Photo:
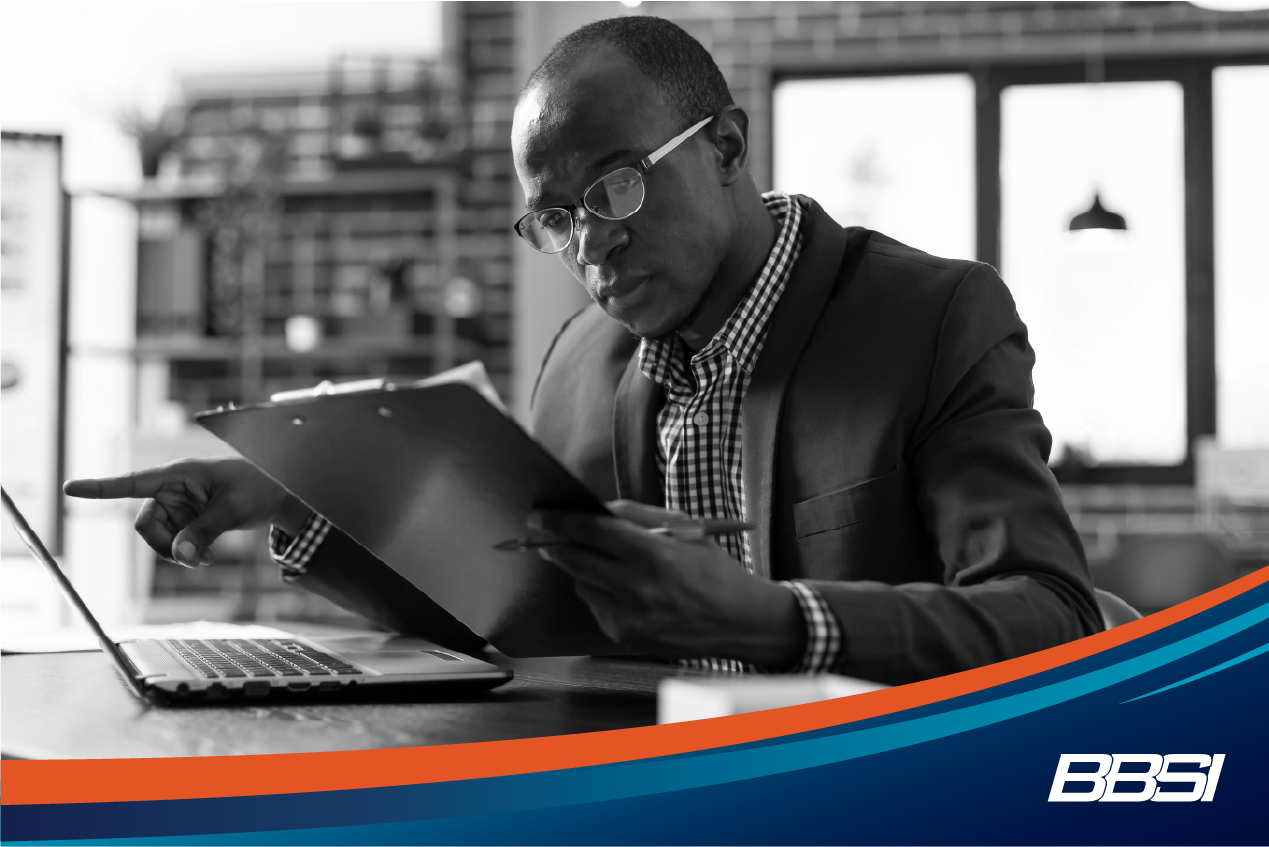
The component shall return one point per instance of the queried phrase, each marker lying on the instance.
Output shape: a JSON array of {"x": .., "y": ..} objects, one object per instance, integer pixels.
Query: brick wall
[{"x": 752, "y": 42}]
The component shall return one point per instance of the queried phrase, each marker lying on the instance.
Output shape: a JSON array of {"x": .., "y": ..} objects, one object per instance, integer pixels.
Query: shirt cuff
[
  {"x": 823, "y": 632},
  {"x": 293, "y": 554},
  {"x": 719, "y": 666}
]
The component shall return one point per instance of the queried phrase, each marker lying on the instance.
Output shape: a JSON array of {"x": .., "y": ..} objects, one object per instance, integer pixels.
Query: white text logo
[{"x": 1110, "y": 773}]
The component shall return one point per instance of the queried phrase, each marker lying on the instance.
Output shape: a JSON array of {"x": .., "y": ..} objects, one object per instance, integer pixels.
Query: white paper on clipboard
[{"x": 472, "y": 373}]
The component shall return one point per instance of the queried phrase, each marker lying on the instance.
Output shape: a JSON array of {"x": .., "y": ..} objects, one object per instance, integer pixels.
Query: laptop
[{"x": 196, "y": 670}]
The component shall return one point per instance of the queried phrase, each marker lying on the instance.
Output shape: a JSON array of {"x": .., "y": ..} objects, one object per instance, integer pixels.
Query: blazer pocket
[{"x": 853, "y": 504}]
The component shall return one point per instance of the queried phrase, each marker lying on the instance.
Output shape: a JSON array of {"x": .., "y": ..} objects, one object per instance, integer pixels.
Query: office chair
[{"x": 1115, "y": 612}]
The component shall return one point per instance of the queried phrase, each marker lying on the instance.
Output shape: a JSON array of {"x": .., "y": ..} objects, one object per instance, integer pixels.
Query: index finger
[{"x": 137, "y": 484}]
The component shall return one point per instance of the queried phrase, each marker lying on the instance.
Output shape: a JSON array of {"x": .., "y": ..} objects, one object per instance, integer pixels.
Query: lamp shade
[{"x": 1097, "y": 217}]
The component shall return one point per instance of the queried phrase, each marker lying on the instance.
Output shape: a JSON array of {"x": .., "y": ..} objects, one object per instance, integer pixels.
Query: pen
[{"x": 687, "y": 530}]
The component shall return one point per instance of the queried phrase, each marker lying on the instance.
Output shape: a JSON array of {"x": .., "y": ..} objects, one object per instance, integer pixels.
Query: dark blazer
[{"x": 892, "y": 457}]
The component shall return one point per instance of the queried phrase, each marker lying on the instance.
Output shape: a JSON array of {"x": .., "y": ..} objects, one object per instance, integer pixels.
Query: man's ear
[{"x": 730, "y": 136}]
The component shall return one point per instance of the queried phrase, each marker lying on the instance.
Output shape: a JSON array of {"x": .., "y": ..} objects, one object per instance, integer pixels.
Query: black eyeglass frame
[{"x": 640, "y": 168}]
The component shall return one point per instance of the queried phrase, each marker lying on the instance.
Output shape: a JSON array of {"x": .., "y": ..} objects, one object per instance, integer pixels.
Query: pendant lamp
[{"x": 1097, "y": 217}]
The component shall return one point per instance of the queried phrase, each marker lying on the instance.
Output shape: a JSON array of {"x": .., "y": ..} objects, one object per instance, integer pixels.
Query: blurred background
[{"x": 210, "y": 202}]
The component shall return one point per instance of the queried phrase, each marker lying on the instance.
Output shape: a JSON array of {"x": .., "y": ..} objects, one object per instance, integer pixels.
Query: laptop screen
[{"x": 37, "y": 548}]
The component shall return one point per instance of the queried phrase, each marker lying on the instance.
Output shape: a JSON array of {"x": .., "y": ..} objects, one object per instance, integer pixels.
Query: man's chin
[{"x": 647, "y": 326}]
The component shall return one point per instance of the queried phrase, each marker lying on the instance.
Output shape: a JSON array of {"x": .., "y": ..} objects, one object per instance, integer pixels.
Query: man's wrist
[{"x": 778, "y": 640}]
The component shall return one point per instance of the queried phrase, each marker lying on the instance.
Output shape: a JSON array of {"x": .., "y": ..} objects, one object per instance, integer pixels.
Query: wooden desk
[{"x": 74, "y": 705}]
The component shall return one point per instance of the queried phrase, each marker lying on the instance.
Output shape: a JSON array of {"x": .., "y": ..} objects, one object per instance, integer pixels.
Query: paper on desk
[
  {"x": 698, "y": 698},
  {"x": 75, "y": 640}
]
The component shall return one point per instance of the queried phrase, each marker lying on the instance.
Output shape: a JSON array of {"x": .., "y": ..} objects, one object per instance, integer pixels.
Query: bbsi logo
[{"x": 1109, "y": 774}]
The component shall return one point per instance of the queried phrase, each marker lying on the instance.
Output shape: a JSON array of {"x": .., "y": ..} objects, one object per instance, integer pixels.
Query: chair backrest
[
  {"x": 1115, "y": 612},
  {"x": 1157, "y": 573}
]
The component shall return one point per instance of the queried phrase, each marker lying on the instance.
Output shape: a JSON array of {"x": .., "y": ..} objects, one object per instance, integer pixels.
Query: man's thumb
[{"x": 192, "y": 545}]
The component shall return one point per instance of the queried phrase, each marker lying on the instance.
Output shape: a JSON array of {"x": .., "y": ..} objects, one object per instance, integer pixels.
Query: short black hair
[{"x": 678, "y": 64}]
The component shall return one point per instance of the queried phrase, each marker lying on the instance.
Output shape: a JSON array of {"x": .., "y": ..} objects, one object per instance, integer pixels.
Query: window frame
[{"x": 1195, "y": 76}]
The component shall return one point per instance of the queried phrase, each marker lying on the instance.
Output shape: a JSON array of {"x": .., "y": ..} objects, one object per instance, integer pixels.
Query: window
[
  {"x": 1106, "y": 311},
  {"x": 894, "y": 154},
  {"x": 1241, "y": 124}
]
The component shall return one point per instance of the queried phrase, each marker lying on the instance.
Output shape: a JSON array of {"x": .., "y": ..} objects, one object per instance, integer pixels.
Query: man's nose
[{"x": 597, "y": 237}]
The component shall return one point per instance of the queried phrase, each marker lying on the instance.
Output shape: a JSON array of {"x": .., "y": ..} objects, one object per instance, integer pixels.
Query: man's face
[{"x": 648, "y": 271}]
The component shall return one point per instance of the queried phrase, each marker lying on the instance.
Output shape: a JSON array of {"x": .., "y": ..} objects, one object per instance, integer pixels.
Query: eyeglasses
[{"x": 614, "y": 197}]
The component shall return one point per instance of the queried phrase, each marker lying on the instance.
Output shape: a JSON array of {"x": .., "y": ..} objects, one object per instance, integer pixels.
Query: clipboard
[{"x": 428, "y": 478}]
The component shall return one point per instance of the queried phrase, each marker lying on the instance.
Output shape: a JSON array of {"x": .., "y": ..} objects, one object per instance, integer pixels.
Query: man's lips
[{"x": 620, "y": 289}]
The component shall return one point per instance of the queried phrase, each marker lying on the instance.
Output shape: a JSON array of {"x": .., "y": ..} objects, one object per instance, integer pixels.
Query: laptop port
[
  {"x": 255, "y": 688},
  {"x": 299, "y": 686},
  {"x": 328, "y": 685}
]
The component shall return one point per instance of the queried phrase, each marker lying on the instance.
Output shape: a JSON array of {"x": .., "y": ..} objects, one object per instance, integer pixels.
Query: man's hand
[
  {"x": 190, "y": 503},
  {"x": 672, "y": 598}
]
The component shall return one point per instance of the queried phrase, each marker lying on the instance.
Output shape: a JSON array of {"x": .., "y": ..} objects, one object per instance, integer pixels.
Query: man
[{"x": 866, "y": 405}]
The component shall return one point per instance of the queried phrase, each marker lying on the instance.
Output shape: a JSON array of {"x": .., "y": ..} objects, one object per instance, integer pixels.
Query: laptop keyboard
[{"x": 264, "y": 657}]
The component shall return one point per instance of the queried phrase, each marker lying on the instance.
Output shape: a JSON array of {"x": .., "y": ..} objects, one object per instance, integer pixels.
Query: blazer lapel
[
  {"x": 634, "y": 434},
  {"x": 794, "y": 318}
]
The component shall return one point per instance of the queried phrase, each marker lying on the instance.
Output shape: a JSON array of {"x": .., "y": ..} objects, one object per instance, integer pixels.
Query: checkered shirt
[
  {"x": 699, "y": 457},
  {"x": 699, "y": 428},
  {"x": 293, "y": 554}
]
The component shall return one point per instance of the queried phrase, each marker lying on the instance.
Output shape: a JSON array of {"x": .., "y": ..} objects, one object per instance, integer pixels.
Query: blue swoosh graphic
[
  {"x": 1250, "y": 654},
  {"x": 658, "y": 776}
]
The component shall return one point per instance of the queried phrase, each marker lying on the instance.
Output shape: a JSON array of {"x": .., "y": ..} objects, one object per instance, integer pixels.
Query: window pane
[
  {"x": 1242, "y": 282},
  {"x": 895, "y": 154},
  {"x": 1106, "y": 311}
]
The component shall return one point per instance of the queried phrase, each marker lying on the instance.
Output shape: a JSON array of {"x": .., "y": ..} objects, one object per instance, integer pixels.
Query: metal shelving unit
[{"x": 347, "y": 197}]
